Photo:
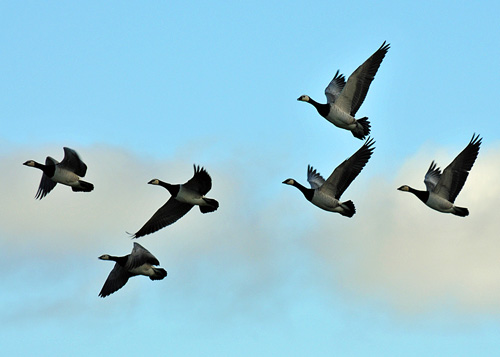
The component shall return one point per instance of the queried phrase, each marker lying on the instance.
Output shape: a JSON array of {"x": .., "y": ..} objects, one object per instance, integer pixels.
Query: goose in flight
[
  {"x": 66, "y": 172},
  {"x": 344, "y": 99},
  {"x": 443, "y": 188},
  {"x": 139, "y": 262},
  {"x": 326, "y": 193},
  {"x": 184, "y": 197}
]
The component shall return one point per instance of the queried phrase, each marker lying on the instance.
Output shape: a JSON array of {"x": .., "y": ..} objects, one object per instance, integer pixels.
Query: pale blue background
[{"x": 215, "y": 83}]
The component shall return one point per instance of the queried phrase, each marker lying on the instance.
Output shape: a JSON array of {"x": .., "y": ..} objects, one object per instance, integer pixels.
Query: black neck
[
  {"x": 308, "y": 192},
  {"x": 422, "y": 195},
  {"x": 323, "y": 109},
  {"x": 173, "y": 189},
  {"x": 48, "y": 170},
  {"x": 120, "y": 260}
]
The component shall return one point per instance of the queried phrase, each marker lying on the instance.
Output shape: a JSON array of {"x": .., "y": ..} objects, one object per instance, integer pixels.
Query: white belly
[
  {"x": 65, "y": 177},
  {"x": 189, "y": 196},
  {"x": 145, "y": 269},
  {"x": 439, "y": 203},
  {"x": 326, "y": 202},
  {"x": 340, "y": 118}
]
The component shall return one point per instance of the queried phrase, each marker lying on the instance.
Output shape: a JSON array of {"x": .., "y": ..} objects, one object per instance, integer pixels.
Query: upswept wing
[
  {"x": 454, "y": 175},
  {"x": 46, "y": 183},
  {"x": 347, "y": 171},
  {"x": 358, "y": 83},
  {"x": 200, "y": 182},
  {"x": 332, "y": 91},
  {"x": 314, "y": 178},
  {"x": 140, "y": 256},
  {"x": 117, "y": 278},
  {"x": 432, "y": 176},
  {"x": 73, "y": 162},
  {"x": 167, "y": 214}
]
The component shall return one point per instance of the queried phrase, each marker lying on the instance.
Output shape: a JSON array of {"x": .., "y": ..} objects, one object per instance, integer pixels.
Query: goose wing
[
  {"x": 117, "y": 278},
  {"x": 73, "y": 162},
  {"x": 432, "y": 176},
  {"x": 454, "y": 175},
  {"x": 314, "y": 178},
  {"x": 347, "y": 171},
  {"x": 200, "y": 182},
  {"x": 358, "y": 83},
  {"x": 46, "y": 183},
  {"x": 140, "y": 256},
  {"x": 332, "y": 91},
  {"x": 167, "y": 214}
]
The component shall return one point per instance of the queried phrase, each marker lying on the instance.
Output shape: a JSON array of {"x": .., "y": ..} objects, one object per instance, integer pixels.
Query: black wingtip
[
  {"x": 385, "y": 46},
  {"x": 131, "y": 235},
  {"x": 476, "y": 140}
]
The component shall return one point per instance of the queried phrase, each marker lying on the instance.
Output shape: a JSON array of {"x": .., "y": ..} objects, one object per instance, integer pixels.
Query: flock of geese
[{"x": 343, "y": 101}]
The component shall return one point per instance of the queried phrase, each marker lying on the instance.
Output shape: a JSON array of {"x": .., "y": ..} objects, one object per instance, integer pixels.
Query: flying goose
[
  {"x": 443, "y": 189},
  {"x": 139, "y": 262},
  {"x": 184, "y": 197},
  {"x": 66, "y": 172},
  {"x": 326, "y": 194},
  {"x": 344, "y": 99}
]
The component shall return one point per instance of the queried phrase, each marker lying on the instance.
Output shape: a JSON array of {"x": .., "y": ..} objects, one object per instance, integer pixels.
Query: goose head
[
  {"x": 154, "y": 182},
  {"x": 304, "y": 98},
  {"x": 30, "y": 163},
  {"x": 105, "y": 257},
  {"x": 289, "y": 182},
  {"x": 405, "y": 188}
]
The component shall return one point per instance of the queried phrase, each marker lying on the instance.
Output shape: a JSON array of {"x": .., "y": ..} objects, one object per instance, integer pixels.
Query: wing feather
[
  {"x": 314, "y": 178},
  {"x": 73, "y": 162},
  {"x": 46, "y": 183},
  {"x": 117, "y": 278},
  {"x": 332, "y": 91},
  {"x": 358, "y": 83},
  {"x": 167, "y": 214},
  {"x": 347, "y": 171},
  {"x": 200, "y": 182},
  {"x": 432, "y": 176},
  {"x": 455, "y": 174},
  {"x": 140, "y": 256}
]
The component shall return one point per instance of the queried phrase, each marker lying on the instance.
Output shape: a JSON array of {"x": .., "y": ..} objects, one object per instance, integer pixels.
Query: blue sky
[{"x": 144, "y": 90}]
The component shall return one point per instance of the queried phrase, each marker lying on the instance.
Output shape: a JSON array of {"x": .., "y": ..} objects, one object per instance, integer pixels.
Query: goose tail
[
  {"x": 159, "y": 274},
  {"x": 348, "y": 209},
  {"x": 362, "y": 128},
  {"x": 83, "y": 186},
  {"x": 211, "y": 205},
  {"x": 460, "y": 211}
]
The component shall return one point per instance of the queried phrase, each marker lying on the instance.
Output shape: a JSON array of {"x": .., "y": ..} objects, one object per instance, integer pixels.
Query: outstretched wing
[
  {"x": 347, "y": 171},
  {"x": 200, "y": 182},
  {"x": 117, "y": 278},
  {"x": 314, "y": 178},
  {"x": 73, "y": 162},
  {"x": 46, "y": 183},
  {"x": 358, "y": 83},
  {"x": 432, "y": 176},
  {"x": 140, "y": 256},
  {"x": 167, "y": 214},
  {"x": 332, "y": 91},
  {"x": 454, "y": 175}
]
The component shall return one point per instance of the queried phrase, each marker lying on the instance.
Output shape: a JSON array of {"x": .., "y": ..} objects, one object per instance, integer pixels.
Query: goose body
[
  {"x": 344, "y": 99},
  {"x": 442, "y": 189},
  {"x": 326, "y": 194},
  {"x": 66, "y": 172},
  {"x": 184, "y": 197},
  {"x": 139, "y": 262}
]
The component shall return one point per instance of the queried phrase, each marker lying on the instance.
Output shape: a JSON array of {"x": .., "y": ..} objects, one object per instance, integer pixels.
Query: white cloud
[
  {"x": 395, "y": 249},
  {"x": 402, "y": 253}
]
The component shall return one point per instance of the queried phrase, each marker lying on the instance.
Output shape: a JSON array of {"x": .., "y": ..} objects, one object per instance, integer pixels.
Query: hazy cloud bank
[
  {"x": 411, "y": 257},
  {"x": 394, "y": 250}
]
